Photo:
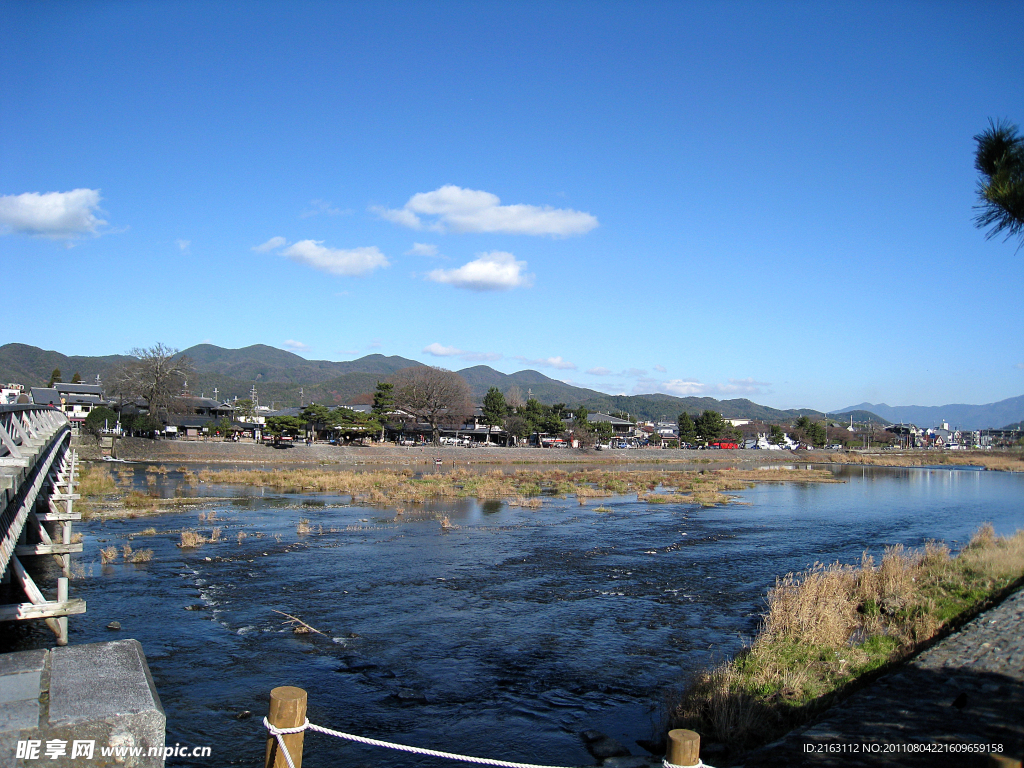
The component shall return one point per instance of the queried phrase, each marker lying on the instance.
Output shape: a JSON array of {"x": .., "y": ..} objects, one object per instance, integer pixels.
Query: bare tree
[
  {"x": 514, "y": 398},
  {"x": 434, "y": 395},
  {"x": 157, "y": 374}
]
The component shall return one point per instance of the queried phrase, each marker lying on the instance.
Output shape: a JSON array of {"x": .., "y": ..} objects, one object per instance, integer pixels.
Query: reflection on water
[{"x": 506, "y": 634}]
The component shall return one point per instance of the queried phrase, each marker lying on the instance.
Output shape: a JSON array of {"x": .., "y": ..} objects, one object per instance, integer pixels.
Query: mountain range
[
  {"x": 957, "y": 415},
  {"x": 283, "y": 378}
]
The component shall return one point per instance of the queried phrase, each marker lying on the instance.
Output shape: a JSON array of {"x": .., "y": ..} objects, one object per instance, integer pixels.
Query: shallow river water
[{"x": 504, "y": 636}]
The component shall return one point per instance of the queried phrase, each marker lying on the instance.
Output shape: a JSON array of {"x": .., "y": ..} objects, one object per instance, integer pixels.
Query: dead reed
[
  {"x": 95, "y": 481},
  {"x": 833, "y": 623},
  {"x": 190, "y": 539}
]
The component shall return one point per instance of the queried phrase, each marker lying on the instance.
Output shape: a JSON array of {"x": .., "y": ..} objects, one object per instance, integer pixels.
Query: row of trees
[{"x": 708, "y": 427}]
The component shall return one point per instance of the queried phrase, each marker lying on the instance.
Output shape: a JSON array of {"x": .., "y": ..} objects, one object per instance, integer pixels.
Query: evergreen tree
[
  {"x": 55, "y": 377},
  {"x": 77, "y": 378},
  {"x": 687, "y": 432},
  {"x": 383, "y": 403},
  {"x": 1000, "y": 161},
  {"x": 495, "y": 409}
]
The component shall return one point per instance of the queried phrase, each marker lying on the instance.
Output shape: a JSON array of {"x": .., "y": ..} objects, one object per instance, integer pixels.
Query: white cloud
[
  {"x": 57, "y": 215},
  {"x": 374, "y": 344},
  {"x": 599, "y": 372},
  {"x": 683, "y": 387},
  {"x": 271, "y": 244},
  {"x": 296, "y": 346},
  {"x": 473, "y": 210},
  {"x": 690, "y": 387},
  {"x": 742, "y": 386},
  {"x": 321, "y": 206},
  {"x": 337, "y": 261},
  {"x": 438, "y": 350},
  {"x": 422, "y": 249},
  {"x": 184, "y": 246},
  {"x": 494, "y": 271},
  {"x": 398, "y": 216},
  {"x": 660, "y": 368},
  {"x": 549, "y": 362}
]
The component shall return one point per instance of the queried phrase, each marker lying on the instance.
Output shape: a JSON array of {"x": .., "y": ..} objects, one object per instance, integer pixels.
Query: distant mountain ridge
[
  {"x": 284, "y": 378},
  {"x": 958, "y": 415}
]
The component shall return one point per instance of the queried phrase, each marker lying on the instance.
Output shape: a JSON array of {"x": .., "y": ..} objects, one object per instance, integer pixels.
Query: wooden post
[
  {"x": 287, "y": 710},
  {"x": 683, "y": 747}
]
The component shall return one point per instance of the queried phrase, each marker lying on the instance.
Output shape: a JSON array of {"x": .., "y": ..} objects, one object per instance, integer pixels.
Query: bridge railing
[
  {"x": 37, "y": 477},
  {"x": 24, "y": 429}
]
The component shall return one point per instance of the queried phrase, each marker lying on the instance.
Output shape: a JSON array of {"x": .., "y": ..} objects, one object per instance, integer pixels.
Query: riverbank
[
  {"x": 221, "y": 452},
  {"x": 950, "y": 706},
  {"x": 830, "y": 629}
]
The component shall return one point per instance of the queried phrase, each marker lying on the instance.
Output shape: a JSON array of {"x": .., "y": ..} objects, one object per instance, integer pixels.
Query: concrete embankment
[{"x": 213, "y": 452}]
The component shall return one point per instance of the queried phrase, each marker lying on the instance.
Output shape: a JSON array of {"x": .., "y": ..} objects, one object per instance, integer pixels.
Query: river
[{"x": 505, "y": 635}]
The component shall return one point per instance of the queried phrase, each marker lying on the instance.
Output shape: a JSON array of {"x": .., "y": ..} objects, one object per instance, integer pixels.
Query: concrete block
[
  {"x": 19, "y": 715},
  {"x": 22, "y": 661},
  {"x": 104, "y": 691},
  {"x": 22, "y": 686}
]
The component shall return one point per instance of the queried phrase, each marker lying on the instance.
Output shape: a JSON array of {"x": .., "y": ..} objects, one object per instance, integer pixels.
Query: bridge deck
[{"x": 37, "y": 477}]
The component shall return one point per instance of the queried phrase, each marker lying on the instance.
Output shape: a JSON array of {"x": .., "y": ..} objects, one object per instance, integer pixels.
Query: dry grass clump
[
  {"x": 303, "y": 527},
  {"x": 403, "y": 487},
  {"x": 138, "y": 500},
  {"x": 241, "y": 536},
  {"x": 447, "y": 524},
  {"x": 190, "y": 539},
  {"x": 108, "y": 554},
  {"x": 95, "y": 481},
  {"x": 127, "y": 550},
  {"x": 142, "y": 556},
  {"x": 828, "y": 625},
  {"x": 151, "y": 531}
]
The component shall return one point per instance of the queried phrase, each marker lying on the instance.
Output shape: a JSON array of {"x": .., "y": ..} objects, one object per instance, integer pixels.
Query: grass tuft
[{"x": 831, "y": 624}]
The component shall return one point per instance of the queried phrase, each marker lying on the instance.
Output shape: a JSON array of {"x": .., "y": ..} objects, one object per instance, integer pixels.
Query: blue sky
[{"x": 734, "y": 199}]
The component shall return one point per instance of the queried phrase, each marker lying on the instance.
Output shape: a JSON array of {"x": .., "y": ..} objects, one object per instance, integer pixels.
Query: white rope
[
  {"x": 699, "y": 764},
  {"x": 279, "y": 732}
]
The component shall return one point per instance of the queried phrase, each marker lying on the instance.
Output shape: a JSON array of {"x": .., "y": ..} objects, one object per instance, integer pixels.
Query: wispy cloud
[
  {"x": 472, "y": 210},
  {"x": 683, "y": 387},
  {"x": 184, "y": 246},
  {"x": 439, "y": 350},
  {"x": 316, "y": 207},
  {"x": 660, "y": 368},
  {"x": 600, "y": 371},
  {"x": 549, "y": 362},
  {"x": 1019, "y": 366},
  {"x": 296, "y": 346},
  {"x": 422, "y": 249},
  {"x": 374, "y": 344},
  {"x": 693, "y": 388},
  {"x": 56, "y": 215},
  {"x": 494, "y": 271},
  {"x": 350, "y": 262},
  {"x": 271, "y": 244}
]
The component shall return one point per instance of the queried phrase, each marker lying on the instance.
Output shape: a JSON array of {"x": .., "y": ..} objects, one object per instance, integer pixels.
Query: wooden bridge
[{"x": 37, "y": 478}]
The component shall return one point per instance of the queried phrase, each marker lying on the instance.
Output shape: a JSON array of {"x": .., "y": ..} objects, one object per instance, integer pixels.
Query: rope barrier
[
  {"x": 699, "y": 764},
  {"x": 279, "y": 732}
]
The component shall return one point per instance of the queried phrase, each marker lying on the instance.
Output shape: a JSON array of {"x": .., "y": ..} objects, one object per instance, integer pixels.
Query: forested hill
[
  {"x": 282, "y": 377},
  {"x": 957, "y": 415}
]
